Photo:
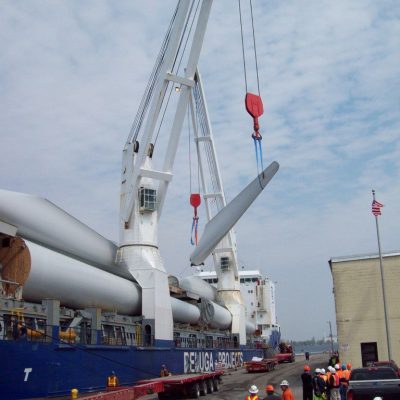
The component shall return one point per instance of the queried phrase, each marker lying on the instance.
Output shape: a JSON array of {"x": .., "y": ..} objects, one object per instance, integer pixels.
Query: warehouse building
[{"x": 360, "y": 316}]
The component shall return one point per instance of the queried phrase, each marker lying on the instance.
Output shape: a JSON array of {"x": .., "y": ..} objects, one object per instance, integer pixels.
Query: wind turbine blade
[{"x": 220, "y": 225}]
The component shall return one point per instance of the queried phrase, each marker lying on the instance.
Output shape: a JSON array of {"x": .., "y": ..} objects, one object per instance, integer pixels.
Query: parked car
[
  {"x": 371, "y": 382},
  {"x": 390, "y": 363}
]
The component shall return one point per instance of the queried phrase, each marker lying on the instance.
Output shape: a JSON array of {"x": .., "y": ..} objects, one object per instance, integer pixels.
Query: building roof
[{"x": 363, "y": 257}]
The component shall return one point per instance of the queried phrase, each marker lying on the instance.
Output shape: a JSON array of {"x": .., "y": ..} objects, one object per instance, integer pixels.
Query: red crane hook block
[
  {"x": 255, "y": 108},
  {"x": 195, "y": 200}
]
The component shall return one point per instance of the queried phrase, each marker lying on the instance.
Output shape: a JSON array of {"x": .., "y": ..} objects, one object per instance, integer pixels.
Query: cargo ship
[{"x": 76, "y": 306}]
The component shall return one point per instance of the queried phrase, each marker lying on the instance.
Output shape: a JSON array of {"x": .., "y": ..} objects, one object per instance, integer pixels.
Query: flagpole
[{"x": 383, "y": 284}]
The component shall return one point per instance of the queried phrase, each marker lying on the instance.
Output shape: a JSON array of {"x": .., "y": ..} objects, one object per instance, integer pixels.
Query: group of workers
[
  {"x": 270, "y": 391},
  {"x": 331, "y": 384}
]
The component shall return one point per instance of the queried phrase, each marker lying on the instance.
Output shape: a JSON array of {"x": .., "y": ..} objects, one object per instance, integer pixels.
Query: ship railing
[
  {"x": 13, "y": 328},
  {"x": 21, "y": 331}
]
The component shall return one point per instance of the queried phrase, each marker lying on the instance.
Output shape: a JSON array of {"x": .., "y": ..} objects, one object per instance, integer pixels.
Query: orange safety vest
[
  {"x": 287, "y": 395},
  {"x": 328, "y": 376},
  {"x": 112, "y": 381},
  {"x": 345, "y": 375},
  {"x": 336, "y": 379},
  {"x": 255, "y": 397}
]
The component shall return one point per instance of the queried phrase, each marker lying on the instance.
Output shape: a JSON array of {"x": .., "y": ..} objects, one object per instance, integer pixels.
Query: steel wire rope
[
  {"x": 179, "y": 64},
  {"x": 205, "y": 129},
  {"x": 255, "y": 48},
  {"x": 150, "y": 84},
  {"x": 254, "y": 45},
  {"x": 243, "y": 54},
  {"x": 190, "y": 153},
  {"x": 207, "y": 150},
  {"x": 200, "y": 110},
  {"x": 193, "y": 114},
  {"x": 258, "y": 82},
  {"x": 207, "y": 145},
  {"x": 78, "y": 347},
  {"x": 199, "y": 130},
  {"x": 165, "y": 106}
]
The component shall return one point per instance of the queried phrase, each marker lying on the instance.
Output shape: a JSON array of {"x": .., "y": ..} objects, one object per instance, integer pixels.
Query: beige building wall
[{"x": 359, "y": 305}]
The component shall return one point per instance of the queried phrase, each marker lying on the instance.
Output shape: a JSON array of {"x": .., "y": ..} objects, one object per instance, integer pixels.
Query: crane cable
[
  {"x": 253, "y": 102},
  {"x": 179, "y": 63},
  {"x": 195, "y": 199}
]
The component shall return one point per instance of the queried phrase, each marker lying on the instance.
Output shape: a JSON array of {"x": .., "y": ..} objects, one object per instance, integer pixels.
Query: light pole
[{"x": 330, "y": 330}]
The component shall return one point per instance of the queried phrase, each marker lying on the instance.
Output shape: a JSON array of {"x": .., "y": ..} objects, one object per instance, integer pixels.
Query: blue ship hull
[{"x": 36, "y": 369}]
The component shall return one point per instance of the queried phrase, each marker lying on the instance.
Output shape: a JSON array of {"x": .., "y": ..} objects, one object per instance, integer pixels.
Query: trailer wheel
[
  {"x": 203, "y": 388},
  {"x": 210, "y": 386},
  {"x": 163, "y": 396},
  {"x": 194, "y": 390},
  {"x": 215, "y": 384}
]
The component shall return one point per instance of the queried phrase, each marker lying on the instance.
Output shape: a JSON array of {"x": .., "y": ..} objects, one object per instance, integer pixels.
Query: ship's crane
[{"x": 144, "y": 187}]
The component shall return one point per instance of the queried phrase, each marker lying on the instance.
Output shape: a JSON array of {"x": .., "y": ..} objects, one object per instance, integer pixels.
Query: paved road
[{"x": 236, "y": 384}]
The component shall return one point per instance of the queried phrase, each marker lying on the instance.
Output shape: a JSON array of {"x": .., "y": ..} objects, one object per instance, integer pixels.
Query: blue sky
[{"x": 71, "y": 78}]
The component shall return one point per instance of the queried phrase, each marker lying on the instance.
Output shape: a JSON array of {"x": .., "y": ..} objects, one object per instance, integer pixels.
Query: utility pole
[
  {"x": 330, "y": 330},
  {"x": 376, "y": 212}
]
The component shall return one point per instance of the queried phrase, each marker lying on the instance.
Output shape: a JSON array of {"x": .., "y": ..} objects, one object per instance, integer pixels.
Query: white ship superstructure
[{"x": 259, "y": 297}]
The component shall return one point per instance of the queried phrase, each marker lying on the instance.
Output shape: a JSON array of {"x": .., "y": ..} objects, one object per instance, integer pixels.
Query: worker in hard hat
[
  {"x": 306, "y": 379},
  {"x": 164, "y": 371},
  {"x": 112, "y": 380},
  {"x": 328, "y": 385},
  {"x": 334, "y": 383},
  {"x": 271, "y": 395},
  {"x": 286, "y": 392},
  {"x": 344, "y": 381},
  {"x": 253, "y": 393},
  {"x": 319, "y": 385}
]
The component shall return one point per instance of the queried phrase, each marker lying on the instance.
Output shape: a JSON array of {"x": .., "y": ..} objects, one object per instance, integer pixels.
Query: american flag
[{"x": 376, "y": 208}]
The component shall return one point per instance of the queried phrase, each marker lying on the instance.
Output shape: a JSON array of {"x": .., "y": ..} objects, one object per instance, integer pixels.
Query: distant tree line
[{"x": 308, "y": 342}]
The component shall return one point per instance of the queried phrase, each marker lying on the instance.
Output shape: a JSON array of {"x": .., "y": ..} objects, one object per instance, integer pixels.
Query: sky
[{"x": 72, "y": 75}]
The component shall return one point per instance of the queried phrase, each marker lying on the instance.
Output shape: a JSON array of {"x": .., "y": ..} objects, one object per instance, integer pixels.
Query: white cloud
[{"x": 72, "y": 75}]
